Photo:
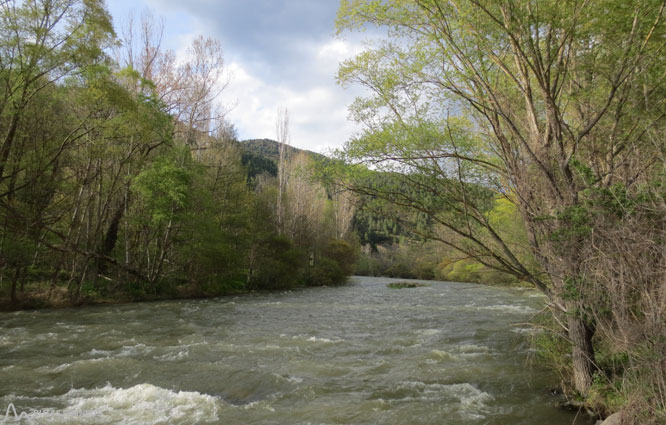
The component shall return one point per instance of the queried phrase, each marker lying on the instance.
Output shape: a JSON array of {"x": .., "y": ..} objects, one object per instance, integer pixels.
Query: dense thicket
[
  {"x": 559, "y": 108},
  {"x": 121, "y": 179},
  {"x": 398, "y": 242}
]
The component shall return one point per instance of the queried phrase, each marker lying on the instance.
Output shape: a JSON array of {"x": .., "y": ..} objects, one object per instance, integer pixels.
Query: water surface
[{"x": 448, "y": 353}]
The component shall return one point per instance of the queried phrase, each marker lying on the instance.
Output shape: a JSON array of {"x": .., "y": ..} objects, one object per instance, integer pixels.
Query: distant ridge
[
  {"x": 261, "y": 156},
  {"x": 269, "y": 149}
]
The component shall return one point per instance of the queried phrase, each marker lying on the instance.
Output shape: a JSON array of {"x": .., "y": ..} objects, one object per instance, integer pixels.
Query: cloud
[
  {"x": 317, "y": 114},
  {"x": 272, "y": 35},
  {"x": 278, "y": 53}
]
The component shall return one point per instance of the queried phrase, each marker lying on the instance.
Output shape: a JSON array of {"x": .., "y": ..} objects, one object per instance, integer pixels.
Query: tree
[
  {"x": 189, "y": 88},
  {"x": 218, "y": 223},
  {"x": 554, "y": 106},
  {"x": 123, "y": 130},
  {"x": 304, "y": 202},
  {"x": 44, "y": 46},
  {"x": 284, "y": 140},
  {"x": 344, "y": 209},
  {"x": 41, "y": 43}
]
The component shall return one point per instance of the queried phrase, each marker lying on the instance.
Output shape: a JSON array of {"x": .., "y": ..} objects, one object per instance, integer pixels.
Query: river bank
[
  {"x": 44, "y": 297},
  {"x": 38, "y": 296},
  {"x": 58, "y": 298}
]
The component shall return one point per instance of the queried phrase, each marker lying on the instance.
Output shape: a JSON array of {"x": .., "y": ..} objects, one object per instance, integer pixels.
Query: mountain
[
  {"x": 270, "y": 149},
  {"x": 262, "y": 156}
]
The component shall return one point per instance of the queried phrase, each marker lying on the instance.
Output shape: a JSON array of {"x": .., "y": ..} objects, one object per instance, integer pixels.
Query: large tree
[
  {"x": 44, "y": 45},
  {"x": 41, "y": 43},
  {"x": 556, "y": 106}
]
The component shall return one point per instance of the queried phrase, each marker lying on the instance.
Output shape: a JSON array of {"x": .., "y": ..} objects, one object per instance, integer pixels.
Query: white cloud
[
  {"x": 290, "y": 63},
  {"x": 317, "y": 115},
  {"x": 338, "y": 50}
]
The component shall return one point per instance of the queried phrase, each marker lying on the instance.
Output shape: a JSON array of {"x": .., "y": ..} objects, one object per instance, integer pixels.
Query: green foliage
[
  {"x": 551, "y": 348},
  {"x": 474, "y": 272},
  {"x": 606, "y": 395},
  {"x": 257, "y": 165},
  {"x": 333, "y": 266},
  {"x": 278, "y": 264},
  {"x": 325, "y": 272},
  {"x": 567, "y": 105},
  {"x": 214, "y": 257},
  {"x": 165, "y": 185},
  {"x": 463, "y": 271},
  {"x": 571, "y": 290},
  {"x": 583, "y": 171},
  {"x": 17, "y": 249},
  {"x": 575, "y": 224},
  {"x": 98, "y": 151},
  {"x": 403, "y": 285},
  {"x": 409, "y": 256},
  {"x": 615, "y": 200},
  {"x": 343, "y": 253},
  {"x": 264, "y": 150},
  {"x": 106, "y": 189}
]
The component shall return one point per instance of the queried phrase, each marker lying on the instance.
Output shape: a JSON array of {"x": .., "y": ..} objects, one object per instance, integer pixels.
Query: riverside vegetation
[
  {"x": 504, "y": 142},
  {"x": 120, "y": 180},
  {"x": 549, "y": 111}
]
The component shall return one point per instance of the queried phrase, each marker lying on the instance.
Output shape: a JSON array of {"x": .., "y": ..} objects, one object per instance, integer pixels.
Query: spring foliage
[
  {"x": 554, "y": 107},
  {"x": 120, "y": 177}
]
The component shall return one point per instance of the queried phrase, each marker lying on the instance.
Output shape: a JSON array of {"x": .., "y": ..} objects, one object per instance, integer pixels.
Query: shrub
[
  {"x": 277, "y": 264},
  {"x": 325, "y": 272},
  {"x": 343, "y": 253}
]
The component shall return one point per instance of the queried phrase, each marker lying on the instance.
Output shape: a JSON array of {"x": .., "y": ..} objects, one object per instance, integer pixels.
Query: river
[{"x": 448, "y": 353}]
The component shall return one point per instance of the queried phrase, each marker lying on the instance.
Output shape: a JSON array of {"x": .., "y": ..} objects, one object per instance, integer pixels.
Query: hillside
[
  {"x": 269, "y": 149},
  {"x": 394, "y": 240},
  {"x": 262, "y": 155}
]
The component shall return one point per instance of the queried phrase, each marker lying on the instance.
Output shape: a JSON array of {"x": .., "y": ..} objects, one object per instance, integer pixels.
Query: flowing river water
[{"x": 448, "y": 353}]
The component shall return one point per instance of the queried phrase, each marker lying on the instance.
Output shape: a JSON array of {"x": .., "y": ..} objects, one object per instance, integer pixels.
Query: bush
[
  {"x": 366, "y": 266},
  {"x": 277, "y": 264},
  {"x": 336, "y": 263},
  {"x": 474, "y": 272},
  {"x": 343, "y": 253},
  {"x": 325, "y": 272}
]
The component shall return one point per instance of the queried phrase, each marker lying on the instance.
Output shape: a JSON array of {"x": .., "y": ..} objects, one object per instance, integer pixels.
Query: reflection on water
[{"x": 447, "y": 353}]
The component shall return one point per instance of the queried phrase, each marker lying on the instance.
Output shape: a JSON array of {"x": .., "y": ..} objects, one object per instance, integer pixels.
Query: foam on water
[
  {"x": 505, "y": 308},
  {"x": 99, "y": 353},
  {"x": 527, "y": 330},
  {"x": 173, "y": 356},
  {"x": 46, "y": 336},
  {"x": 260, "y": 404},
  {"x": 428, "y": 332},
  {"x": 134, "y": 350},
  {"x": 464, "y": 398},
  {"x": 87, "y": 365},
  {"x": 439, "y": 355},
  {"x": 65, "y": 366},
  {"x": 140, "y": 404},
  {"x": 473, "y": 348},
  {"x": 472, "y": 351},
  {"x": 294, "y": 379},
  {"x": 309, "y": 338},
  {"x": 473, "y": 402}
]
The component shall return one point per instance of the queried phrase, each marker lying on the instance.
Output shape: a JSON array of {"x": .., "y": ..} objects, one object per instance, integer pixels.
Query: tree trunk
[
  {"x": 7, "y": 144},
  {"x": 582, "y": 353},
  {"x": 15, "y": 281},
  {"x": 110, "y": 239}
]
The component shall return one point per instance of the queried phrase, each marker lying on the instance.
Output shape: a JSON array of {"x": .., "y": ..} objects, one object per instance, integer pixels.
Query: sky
[{"x": 278, "y": 53}]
